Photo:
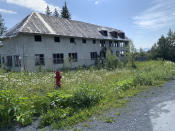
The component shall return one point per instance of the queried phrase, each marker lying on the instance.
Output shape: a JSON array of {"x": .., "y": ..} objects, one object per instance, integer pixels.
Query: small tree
[
  {"x": 56, "y": 14},
  {"x": 131, "y": 54},
  {"x": 3, "y": 29},
  {"x": 111, "y": 61},
  {"x": 48, "y": 12},
  {"x": 65, "y": 12}
]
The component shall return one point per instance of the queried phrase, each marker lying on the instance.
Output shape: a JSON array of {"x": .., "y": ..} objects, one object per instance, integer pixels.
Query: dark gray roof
[{"x": 51, "y": 25}]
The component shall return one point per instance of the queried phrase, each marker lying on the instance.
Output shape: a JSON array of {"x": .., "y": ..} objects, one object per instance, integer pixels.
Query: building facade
[{"x": 50, "y": 43}]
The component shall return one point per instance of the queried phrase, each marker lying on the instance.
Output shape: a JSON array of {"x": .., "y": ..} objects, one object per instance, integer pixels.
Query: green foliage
[
  {"x": 48, "y": 12},
  {"x": 86, "y": 95},
  {"x": 24, "y": 95},
  {"x": 3, "y": 29},
  {"x": 65, "y": 12},
  {"x": 110, "y": 120},
  {"x": 164, "y": 48},
  {"x": 112, "y": 61}
]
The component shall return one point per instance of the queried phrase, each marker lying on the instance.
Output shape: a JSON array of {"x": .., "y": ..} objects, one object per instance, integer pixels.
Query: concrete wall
[{"x": 26, "y": 47}]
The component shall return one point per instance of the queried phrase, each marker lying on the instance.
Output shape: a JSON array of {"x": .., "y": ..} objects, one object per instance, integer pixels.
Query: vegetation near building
[
  {"x": 56, "y": 13},
  {"x": 3, "y": 29},
  {"x": 48, "y": 12},
  {"x": 65, "y": 12},
  {"x": 164, "y": 48}
]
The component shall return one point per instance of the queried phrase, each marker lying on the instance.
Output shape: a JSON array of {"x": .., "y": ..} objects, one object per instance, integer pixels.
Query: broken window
[
  {"x": 102, "y": 43},
  {"x": 122, "y": 44},
  {"x": 114, "y": 34},
  {"x": 38, "y": 38},
  {"x": 110, "y": 43},
  {"x": 72, "y": 40},
  {"x": 58, "y": 58},
  {"x": 93, "y": 55},
  {"x": 57, "y": 39},
  {"x": 17, "y": 61},
  {"x": 39, "y": 59},
  {"x": 104, "y": 32},
  {"x": 73, "y": 57},
  {"x": 122, "y": 35},
  {"x": 9, "y": 61}
]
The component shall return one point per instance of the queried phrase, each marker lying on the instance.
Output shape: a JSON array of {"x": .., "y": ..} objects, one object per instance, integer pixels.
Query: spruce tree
[
  {"x": 48, "y": 12},
  {"x": 65, "y": 12},
  {"x": 3, "y": 29},
  {"x": 56, "y": 14}
]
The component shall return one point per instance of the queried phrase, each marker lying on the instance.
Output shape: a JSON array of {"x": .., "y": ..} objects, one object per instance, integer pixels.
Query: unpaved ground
[{"x": 153, "y": 110}]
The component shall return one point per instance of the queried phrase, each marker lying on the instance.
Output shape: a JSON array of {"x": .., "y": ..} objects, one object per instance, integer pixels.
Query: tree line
[
  {"x": 64, "y": 12},
  {"x": 164, "y": 48}
]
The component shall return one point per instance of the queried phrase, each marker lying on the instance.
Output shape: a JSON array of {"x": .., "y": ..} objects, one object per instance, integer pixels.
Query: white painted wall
[{"x": 25, "y": 46}]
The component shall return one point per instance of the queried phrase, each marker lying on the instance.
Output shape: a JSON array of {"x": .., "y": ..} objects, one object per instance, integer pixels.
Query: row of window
[
  {"x": 72, "y": 40},
  {"x": 17, "y": 61},
  {"x": 59, "y": 58},
  {"x": 38, "y": 38}
]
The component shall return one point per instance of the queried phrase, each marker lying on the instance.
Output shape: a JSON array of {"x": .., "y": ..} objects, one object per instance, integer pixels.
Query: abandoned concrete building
[{"x": 52, "y": 43}]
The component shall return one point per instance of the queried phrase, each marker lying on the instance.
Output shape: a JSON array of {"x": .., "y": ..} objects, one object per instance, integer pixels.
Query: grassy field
[{"x": 25, "y": 96}]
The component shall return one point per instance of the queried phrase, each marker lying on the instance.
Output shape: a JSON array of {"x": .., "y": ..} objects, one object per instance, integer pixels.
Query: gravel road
[{"x": 153, "y": 110}]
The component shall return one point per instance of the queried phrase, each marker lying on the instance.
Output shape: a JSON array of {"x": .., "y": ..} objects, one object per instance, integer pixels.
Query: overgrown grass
[{"x": 24, "y": 96}]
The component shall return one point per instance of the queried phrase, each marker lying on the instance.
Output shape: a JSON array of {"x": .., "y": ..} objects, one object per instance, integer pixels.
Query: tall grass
[{"x": 24, "y": 96}]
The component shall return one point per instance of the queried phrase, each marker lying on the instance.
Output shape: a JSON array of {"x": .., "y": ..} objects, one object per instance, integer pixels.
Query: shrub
[{"x": 86, "y": 96}]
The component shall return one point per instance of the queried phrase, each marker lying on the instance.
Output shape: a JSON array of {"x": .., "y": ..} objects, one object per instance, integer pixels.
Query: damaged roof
[{"x": 38, "y": 23}]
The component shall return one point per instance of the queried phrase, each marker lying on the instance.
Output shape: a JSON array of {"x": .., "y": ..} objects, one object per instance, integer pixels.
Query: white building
[{"x": 49, "y": 42}]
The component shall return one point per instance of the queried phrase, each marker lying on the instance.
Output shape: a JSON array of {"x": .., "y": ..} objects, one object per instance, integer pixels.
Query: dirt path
[{"x": 153, "y": 110}]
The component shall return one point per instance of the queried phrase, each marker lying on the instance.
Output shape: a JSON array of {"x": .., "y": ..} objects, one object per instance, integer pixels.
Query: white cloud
[
  {"x": 7, "y": 11},
  {"x": 96, "y": 2},
  {"x": 36, "y": 5},
  {"x": 159, "y": 15}
]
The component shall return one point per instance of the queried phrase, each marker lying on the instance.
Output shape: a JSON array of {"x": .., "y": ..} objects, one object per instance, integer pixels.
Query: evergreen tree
[
  {"x": 65, "y": 12},
  {"x": 3, "y": 29},
  {"x": 56, "y": 13},
  {"x": 48, "y": 12}
]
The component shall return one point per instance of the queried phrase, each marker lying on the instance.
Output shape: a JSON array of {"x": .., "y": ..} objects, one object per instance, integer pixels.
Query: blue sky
[{"x": 144, "y": 21}]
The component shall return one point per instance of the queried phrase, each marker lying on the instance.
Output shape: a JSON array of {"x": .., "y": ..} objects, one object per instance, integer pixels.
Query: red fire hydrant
[{"x": 58, "y": 78}]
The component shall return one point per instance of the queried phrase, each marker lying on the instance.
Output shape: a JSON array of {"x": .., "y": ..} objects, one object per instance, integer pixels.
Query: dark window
[
  {"x": 122, "y": 35},
  {"x": 9, "y": 61},
  {"x": 58, "y": 58},
  {"x": 102, "y": 43},
  {"x": 72, "y": 40},
  {"x": 3, "y": 60},
  {"x": 57, "y": 39},
  {"x": 110, "y": 43},
  {"x": 17, "y": 61},
  {"x": 0, "y": 60},
  {"x": 114, "y": 34},
  {"x": 94, "y": 41},
  {"x": 104, "y": 32},
  {"x": 84, "y": 40},
  {"x": 73, "y": 57},
  {"x": 38, "y": 38},
  {"x": 93, "y": 55},
  {"x": 39, "y": 59},
  {"x": 116, "y": 44}
]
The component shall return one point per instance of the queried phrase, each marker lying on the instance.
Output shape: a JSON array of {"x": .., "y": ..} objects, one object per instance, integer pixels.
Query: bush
[
  {"x": 86, "y": 96},
  {"x": 112, "y": 61}
]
